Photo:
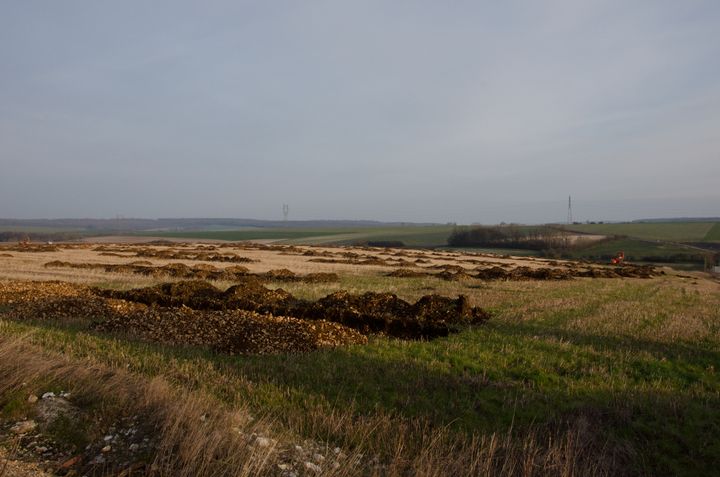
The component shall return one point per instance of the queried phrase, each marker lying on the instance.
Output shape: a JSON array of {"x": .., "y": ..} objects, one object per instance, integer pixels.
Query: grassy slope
[
  {"x": 634, "y": 249},
  {"x": 411, "y": 235},
  {"x": 240, "y": 235},
  {"x": 637, "y": 359},
  {"x": 670, "y": 231},
  {"x": 649, "y": 240},
  {"x": 713, "y": 234}
]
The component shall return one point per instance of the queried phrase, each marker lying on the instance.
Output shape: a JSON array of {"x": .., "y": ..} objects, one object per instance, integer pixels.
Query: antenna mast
[{"x": 569, "y": 216}]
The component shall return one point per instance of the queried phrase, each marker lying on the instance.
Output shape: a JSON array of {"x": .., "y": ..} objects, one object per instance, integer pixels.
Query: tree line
[{"x": 510, "y": 236}]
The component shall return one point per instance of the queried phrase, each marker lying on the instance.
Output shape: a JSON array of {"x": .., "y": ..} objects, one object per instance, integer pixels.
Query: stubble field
[{"x": 250, "y": 359}]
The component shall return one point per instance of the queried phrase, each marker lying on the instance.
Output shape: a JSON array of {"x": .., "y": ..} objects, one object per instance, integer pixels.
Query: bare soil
[{"x": 383, "y": 313}]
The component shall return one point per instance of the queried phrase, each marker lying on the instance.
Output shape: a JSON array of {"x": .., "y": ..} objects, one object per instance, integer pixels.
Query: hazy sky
[{"x": 465, "y": 111}]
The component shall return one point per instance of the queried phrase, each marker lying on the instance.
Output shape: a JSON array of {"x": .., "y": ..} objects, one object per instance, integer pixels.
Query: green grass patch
[
  {"x": 72, "y": 431},
  {"x": 240, "y": 235},
  {"x": 669, "y": 231},
  {"x": 713, "y": 234},
  {"x": 14, "y": 405},
  {"x": 410, "y": 235},
  {"x": 638, "y": 250}
]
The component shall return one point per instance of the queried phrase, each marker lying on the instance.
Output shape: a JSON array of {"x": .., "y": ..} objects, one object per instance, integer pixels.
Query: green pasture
[{"x": 666, "y": 231}]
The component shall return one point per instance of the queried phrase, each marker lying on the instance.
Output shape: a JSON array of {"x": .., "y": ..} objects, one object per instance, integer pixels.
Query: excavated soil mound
[
  {"x": 227, "y": 331},
  {"x": 33, "y": 248},
  {"x": 493, "y": 273},
  {"x": 201, "y": 295},
  {"x": 316, "y": 253},
  {"x": 569, "y": 271},
  {"x": 73, "y": 308},
  {"x": 233, "y": 332},
  {"x": 319, "y": 277},
  {"x": 459, "y": 310},
  {"x": 201, "y": 271},
  {"x": 454, "y": 276},
  {"x": 382, "y": 313},
  {"x": 200, "y": 255},
  {"x": 406, "y": 273},
  {"x": 14, "y": 292},
  {"x": 352, "y": 261},
  {"x": 285, "y": 275},
  {"x": 385, "y": 313},
  {"x": 196, "y": 294}
]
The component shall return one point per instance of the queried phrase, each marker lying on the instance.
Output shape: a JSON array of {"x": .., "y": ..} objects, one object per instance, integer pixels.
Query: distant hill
[
  {"x": 678, "y": 219},
  {"x": 180, "y": 224}
]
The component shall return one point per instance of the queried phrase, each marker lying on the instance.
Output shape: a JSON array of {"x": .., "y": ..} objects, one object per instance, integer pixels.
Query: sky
[{"x": 426, "y": 111}]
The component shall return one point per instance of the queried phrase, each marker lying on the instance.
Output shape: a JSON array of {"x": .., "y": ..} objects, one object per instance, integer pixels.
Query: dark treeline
[{"x": 510, "y": 236}]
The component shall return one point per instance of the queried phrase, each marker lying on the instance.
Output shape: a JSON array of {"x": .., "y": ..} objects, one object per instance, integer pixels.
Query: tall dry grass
[{"x": 197, "y": 435}]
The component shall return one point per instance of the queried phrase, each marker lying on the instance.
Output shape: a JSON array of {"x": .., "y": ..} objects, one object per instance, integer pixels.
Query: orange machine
[{"x": 619, "y": 259}]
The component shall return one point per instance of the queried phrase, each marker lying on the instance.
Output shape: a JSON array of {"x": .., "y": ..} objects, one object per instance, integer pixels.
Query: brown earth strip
[
  {"x": 456, "y": 273},
  {"x": 200, "y": 272},
  {"x": 382, "y": 313},
  {"x": 228, "y": 331}
]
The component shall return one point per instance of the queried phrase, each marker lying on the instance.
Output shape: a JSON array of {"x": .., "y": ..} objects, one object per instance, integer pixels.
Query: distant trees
[{"x": 510, "y": 236}]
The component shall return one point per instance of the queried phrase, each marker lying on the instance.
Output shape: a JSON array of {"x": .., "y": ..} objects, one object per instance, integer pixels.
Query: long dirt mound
[
  {"x": 233, "y": 331},
  {"x": 200, "y": 271},
  {"x": 226, "y": 331},
  {"x": 384, "y": 313}
]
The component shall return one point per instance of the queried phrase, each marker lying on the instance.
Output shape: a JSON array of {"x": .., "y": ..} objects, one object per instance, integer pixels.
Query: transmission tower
[
  {"x": 569, "y": 217},
  {"x": 286, "y": 211}
]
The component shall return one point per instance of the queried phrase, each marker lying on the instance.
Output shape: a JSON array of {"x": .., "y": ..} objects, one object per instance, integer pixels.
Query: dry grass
[
  {"x": 200, "y": 436},
  {"x": 195, "y": 435}
]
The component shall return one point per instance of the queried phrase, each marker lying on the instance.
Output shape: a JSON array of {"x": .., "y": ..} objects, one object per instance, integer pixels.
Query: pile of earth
[
  {"x": 317, "y": 253},
  {"x": 199, "y": 255},
  {"x": 33, "y": 248},
  {"x": 352, "y": 261},
  {"x": 232, "y": 331},
  {"x": 72, "y": 309},
  {"x": 456, "y": 273},
  {"x": 383, "y": 313},
  {"x": 226, "y": 331},
  {"x": 407, "y": 273},
  {"x": 399, "y": 262},
  {"x": 545, "y": 273},
  {"x": 199, "y": 271},
  {"x": 15, "y": 292},
  {"x": 285, "y": 275}
]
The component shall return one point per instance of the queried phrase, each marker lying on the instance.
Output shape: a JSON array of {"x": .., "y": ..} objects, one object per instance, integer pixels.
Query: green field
[
  {"x": 410, "y": 235},
  {"x": 666, "y": 231},
  {"x": 713, "y": 234},
  {"x": 638, "y": 250}
]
